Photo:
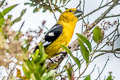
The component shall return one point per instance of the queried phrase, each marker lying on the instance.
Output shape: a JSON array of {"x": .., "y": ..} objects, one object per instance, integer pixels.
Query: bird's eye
[{"x": 70, "y": 11}]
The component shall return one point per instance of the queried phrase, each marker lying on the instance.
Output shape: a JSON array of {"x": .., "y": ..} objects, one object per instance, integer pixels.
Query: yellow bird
[{"x": 61, "y": 33}]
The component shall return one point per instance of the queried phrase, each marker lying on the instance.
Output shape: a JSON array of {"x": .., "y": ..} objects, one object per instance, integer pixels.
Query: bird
[{"x": 61, "y": 33}]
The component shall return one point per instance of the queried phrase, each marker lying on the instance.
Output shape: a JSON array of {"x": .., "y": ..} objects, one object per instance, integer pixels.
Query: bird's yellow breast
[{"x": 63, "y": 39}]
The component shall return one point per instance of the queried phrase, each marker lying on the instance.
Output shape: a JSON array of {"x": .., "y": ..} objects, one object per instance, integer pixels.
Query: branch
[
  {"x": 117, "y": 15},
  {"x": 109, "y": 51},
  {"x": 74, "y": 45},
  {"x": 101, "y": 17},
  {"x": 82, "y": 72},
  {"x": 52, "y": 9},
  {"x": 96, "y": 10},
  {"x": 102, "y": 69}
]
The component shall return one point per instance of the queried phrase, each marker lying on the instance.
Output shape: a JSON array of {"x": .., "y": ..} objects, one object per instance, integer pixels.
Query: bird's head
[{"x": 71, "y": 15}]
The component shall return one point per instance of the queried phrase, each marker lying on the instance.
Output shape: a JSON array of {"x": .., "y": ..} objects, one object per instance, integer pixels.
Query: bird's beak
[{"x": 78, "y": 13}]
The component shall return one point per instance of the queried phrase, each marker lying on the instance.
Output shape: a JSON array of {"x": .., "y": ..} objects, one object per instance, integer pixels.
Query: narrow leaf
[
  {"x": 23, "y": 12},
  {"x": 2, "y": 2},
  {"x": 59, "y": 10},
  {"x": 64, "y": 1},
  {"x": 19, "y": 18},
  {"x": 39, "y": 56},
  {"x": 87, "y": 78},
  {"x": 97, "y": 34},
  {"x": 70, "y": 53},
  {"x": 1, "y": 19},
  {"x": 35, "y": 76},
  {"x": 5, "y": 11},
  {"x": 27, "y": 3},
  {"x": 35, "y": 10},
  {"x": 43, "y": 55},
  {"x": 85, "y": 40},
  {"x": 53, "y": 66},
  {"x": 84, "y": 51},
  {"x": 27, "y": 67},
  {"x": 109, "y": 77},
  {"x": 69, "y": 70}
]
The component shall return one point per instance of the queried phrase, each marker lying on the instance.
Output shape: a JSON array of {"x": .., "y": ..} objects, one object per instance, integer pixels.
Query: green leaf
[
  {"x": 27, "y": 67},
  {"x": 70, "y": 53},
  {"x": 59, "y": 10},
  {"x": 36, "y": 55},
  {"x": 9, "y": 17},
  {"x": 2, "y": 2},
  {"x": 35, "y": 76},
  {"x": 16, "y": 20},
  {"x": 85, "y": 40},
  {"x": 19, "y": 18},
  {"x": 1, "y": 30},
  {"x": 23, "y": 12},
  {"x": 97, "y": 34},
  {"x": 84, "y": 51},
  {"x": 1, "y": 19},
  {"x": 69, "y": 70},
  {"x": 53, "y": 66},
  {"x": 39, "y": 56},
  {"x": 5, "y": 11},
  {"x": 64, "y": 1},
  {"x": 44, "y": 9},
  {"x": 109, "y": 77},
  {"x": 27, "y": 3},
  {"x": 35, "y": 10},
  {"x": 1, "y": 15},
  {"x": 87, "y": 78},
  {"x": 49, "y": 75},
  {"x": 43, "y": 55}
]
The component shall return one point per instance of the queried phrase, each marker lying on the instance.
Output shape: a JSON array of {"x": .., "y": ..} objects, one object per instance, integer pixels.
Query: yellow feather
[{"x": 68, "y": 21}]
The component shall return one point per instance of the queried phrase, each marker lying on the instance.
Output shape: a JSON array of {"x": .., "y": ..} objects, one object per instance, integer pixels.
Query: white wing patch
[
  {"x": 51, "y": 34},
  {"x": 46, "y": 43}
]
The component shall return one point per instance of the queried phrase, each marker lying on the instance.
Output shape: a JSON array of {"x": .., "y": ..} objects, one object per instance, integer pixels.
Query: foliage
[
  {"x": 7, "y": 39},
  {"x": 4, "y": 12},
  {"x": 87, "y": 78},
  {"x": 36, "y": 68},
  {"x": 84, "y": 50},
  {"x": 70, "y": 53},
  {"x": 97, "y": 34},
  {"x": 70, "y": 72},
  {"x": 47, "y": 5},
  {"x": 110, "y": 76},
  {"x": 89, "y": 45}
]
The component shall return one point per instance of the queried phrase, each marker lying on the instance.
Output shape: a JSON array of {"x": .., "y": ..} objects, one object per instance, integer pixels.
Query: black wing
[{"x": 52, "y": 35}]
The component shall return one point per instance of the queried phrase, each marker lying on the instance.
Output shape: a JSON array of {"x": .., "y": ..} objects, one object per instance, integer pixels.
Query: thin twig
[
  {"x": 78, "y": 6},
  {"x": 52, "y": 9},
  {"x": 74, "y": 45},
  {"x": 117, "y": 15},
  {"x": 103, "y": 69},
  {"x": 101, "y": 3},
  {"x": 20, "y": 29},
  {"x": 102, "y": 16},
  {"x": 83, "y": 72},
  {"x": 90, "y": 72},
  {"x": 110, "y": 51},
  {"x": 96, "y": 10},
  {"x": 11, "y": 72},
  {"x": 99, "y": 72}
]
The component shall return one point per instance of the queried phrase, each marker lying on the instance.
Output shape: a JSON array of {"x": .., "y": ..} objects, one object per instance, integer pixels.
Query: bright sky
[{"x": 34, "y": 20}]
